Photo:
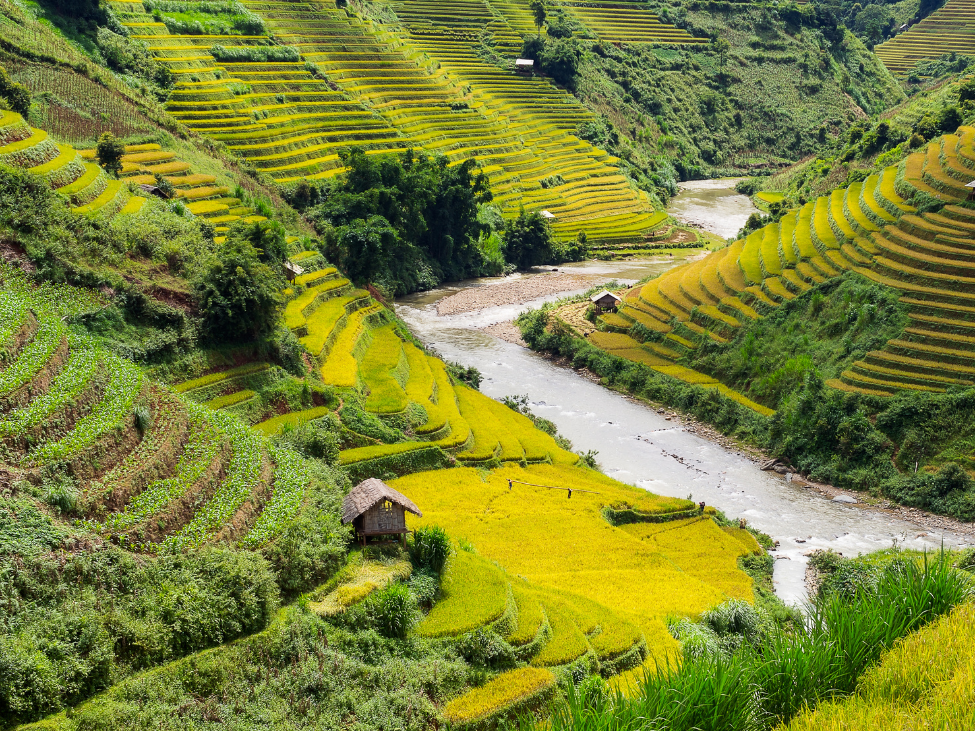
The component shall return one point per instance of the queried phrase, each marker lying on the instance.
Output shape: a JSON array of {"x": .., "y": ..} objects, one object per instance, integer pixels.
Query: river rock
[{"x": 845, "y": 499}]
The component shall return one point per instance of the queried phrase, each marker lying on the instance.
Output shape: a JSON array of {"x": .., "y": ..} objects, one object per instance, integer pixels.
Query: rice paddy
[
  {"x": 871, "y": 228},
  {"x": 415, "y": 81}
]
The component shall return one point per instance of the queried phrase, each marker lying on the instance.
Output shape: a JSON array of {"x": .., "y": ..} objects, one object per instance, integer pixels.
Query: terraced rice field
[
  {"x": 417, "y": 83},
  {"x": 598, "y": 594},
  {"x": 153, "y": 470},
  {"x": 627, "y": 22},
  {"x": 74, "y": 174},
  {"x": 87, "y": 187},
  {"x": 947, "y": 30},
  {"x": 871, "y": 228}
]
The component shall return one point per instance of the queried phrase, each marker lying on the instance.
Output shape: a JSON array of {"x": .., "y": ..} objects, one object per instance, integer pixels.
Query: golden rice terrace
[
  {"x": 416, "y": 79},
  {"x": 873, "y": 228}
]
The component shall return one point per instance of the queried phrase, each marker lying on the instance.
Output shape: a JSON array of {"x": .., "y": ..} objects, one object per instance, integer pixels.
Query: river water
[
  {"x": 637, "y": 445},
  {"x": 714, "y": 205}
]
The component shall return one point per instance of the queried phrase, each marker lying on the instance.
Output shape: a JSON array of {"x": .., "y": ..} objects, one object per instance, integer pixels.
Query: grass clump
[{"x": 769, "y": 680}]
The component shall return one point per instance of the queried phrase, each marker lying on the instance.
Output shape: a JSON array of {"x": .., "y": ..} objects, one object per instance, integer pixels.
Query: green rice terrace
[
  {"x": 946, "y": 30},
  {"x": 874, "y": 229},
  {"x": 344, "y": 79}
]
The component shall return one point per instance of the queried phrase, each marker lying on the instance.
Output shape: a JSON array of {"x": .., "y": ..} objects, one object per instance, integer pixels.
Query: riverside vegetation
[{"x": 205, "y": 208}]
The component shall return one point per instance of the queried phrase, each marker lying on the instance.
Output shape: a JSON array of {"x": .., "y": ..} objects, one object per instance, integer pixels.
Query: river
[{"x": 641, "y": 447}]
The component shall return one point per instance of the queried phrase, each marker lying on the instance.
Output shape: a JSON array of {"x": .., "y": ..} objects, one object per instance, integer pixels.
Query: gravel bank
[{"x": 514, "y": 291}]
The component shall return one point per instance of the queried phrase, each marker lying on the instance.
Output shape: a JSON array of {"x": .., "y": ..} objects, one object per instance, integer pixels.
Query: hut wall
[{"x": 384, "y": 517}]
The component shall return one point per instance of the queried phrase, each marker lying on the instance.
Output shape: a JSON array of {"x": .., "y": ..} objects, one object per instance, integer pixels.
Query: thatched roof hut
[
  {"x": 376, "y": 509},
  {"x": 606, "y": 300}
]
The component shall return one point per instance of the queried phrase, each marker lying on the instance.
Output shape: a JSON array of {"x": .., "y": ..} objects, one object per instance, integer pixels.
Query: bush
[
  {"x": 16, "y": 95},
  {"x": 62, "y": 645},
  {"x": 528, "y": 240},
  {"x": 239, "y": 296},
  {"x": 392, "y": 610},
  {"x": 430, "y": 548},
  {"x": 109, "y": 152}
]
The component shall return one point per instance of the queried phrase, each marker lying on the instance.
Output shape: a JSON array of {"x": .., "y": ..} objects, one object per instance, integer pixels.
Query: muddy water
[
  {"x": 713, "y": 205},
  {"x": 641, "y": 447}
]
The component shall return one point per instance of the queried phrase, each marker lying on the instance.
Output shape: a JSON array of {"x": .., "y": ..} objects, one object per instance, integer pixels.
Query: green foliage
[
  {"x": 405, "y": 222},
  {"x": 392, "y": 610},
  {"x": 61, "y": 646},
  {"x": 255, "y": 54},
  {"x": 430, "y": 548},
  {"x": 539, "y": 13},
  {"x": 313, "y": 546},
  {"x": 822, "y": 331},
  {"x": 239, "y": 296},
  {"x": 302, "y": 673},
  {"x": 465, "y": 374},
  {"x": 528, "y": 240},
  {"x": 26, "y": 530},
  {"x": 319, "y": 439},
  {"x": 706, "y": 404},
  {"x": 707, "y": 110},
  {"x": 109, "y": 151},
  {"x": 16, "y": 95},
  {"x": 59, "y": 489},
  {"x": 763, "y": 684}
]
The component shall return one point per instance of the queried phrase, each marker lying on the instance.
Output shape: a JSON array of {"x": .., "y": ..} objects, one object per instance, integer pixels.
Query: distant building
[
  {"x": 153, "y": 190},
  {"x": 524, "y": 65},
  {"x": 548, "y": 214},
  {"x": 377, "y": 511},
  {"x": 606, "y": 301},
  {"x": 292, "y": 270}
]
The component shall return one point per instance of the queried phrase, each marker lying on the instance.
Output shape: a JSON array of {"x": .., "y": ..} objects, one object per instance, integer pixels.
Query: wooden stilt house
[{"x": 377, "y": 511}]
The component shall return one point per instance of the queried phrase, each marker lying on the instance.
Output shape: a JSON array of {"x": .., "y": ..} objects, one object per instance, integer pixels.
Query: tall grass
[{"x": 769, "y": 681}]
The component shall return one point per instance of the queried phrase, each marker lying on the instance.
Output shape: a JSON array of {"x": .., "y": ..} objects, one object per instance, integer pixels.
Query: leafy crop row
[
  {"x": 203, "y": 447},
  {"x": 244, "y": 474},
  {"x": 82, "y": 367},
  {"x": 34, "y": 356},
  {"x": 290, "y": 480},
  {"x": 113, "y": 412}
]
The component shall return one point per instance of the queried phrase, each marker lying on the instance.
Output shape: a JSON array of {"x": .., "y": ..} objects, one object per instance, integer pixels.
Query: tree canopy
[
  {"x": 239, "y": 296},
  {"x": 406, "y": 222}
]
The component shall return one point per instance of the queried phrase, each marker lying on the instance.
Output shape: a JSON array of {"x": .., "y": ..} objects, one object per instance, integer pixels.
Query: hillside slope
[
  {"x": 873, "y": 228},
  {"x": 346, "y": 79}
]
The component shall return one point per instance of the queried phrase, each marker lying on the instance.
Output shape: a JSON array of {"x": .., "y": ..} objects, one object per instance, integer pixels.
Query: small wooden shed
[
  {"x": 971, "y": 190},
  {"x": 377, "y": 510},
  {"x": 524, "y": 65},
  {"x": 292, "y": 270},
  {"x": 606, "y": 301}
]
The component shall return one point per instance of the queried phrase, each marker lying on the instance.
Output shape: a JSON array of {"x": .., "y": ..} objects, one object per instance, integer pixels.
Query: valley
[{"x": 550, "y": 364}]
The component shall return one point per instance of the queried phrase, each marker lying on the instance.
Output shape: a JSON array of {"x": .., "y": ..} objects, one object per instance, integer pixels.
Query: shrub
[
  {"x": 430, "y": 548},
  {"x": 528, "y": 240},
  {"x": 239, "y": 296},
  {"x": 17, "y": 95},
  {"x": 109, "y": 152},
  {"x": 392, "y": 610}
]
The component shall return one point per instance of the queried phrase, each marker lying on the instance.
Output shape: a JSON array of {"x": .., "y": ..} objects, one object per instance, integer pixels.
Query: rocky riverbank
[{"x": 515, "y": 291}]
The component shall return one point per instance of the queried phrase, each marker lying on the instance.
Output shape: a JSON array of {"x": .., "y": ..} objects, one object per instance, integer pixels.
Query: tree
[
  {"x": 407, "y": 222},
  {"x": 538, "y": 11},
  {"x": 560, "y": 60},
  {"x": 721, "y": 47},
  {"x": 238, "y": 295},
  {"x": 527, "y": 240},
  {"x": 109, "y": 152}
]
